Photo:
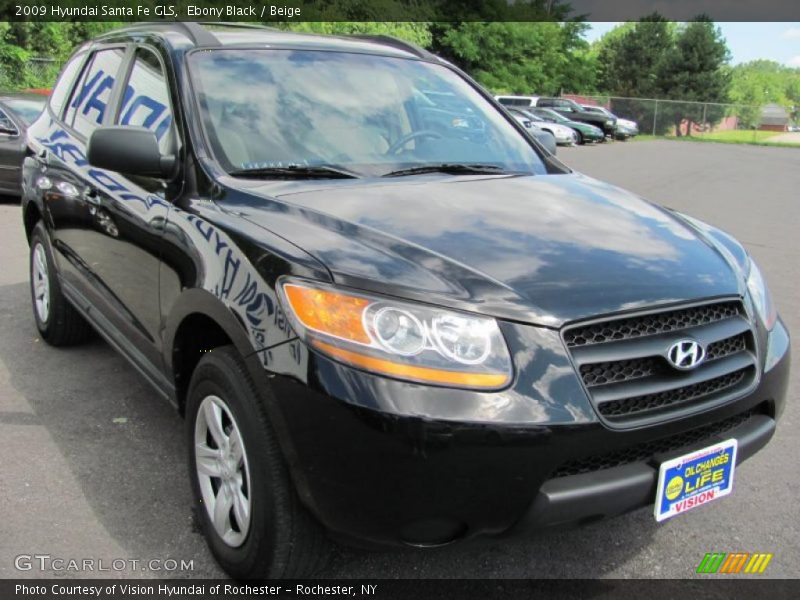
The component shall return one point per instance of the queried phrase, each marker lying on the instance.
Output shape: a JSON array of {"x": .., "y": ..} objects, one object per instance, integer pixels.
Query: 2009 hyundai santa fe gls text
[{"x": 388, "y": 315}]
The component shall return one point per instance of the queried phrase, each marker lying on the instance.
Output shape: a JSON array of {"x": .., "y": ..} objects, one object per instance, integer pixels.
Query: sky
[{"x": 747, "y": 41}]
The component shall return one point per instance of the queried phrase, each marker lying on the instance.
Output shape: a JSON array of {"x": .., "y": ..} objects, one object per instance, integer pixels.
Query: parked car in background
[
  {"x": 17, "y": 111},
  {"x": 575, "y": 112},
  {"x": 545, "y": 138},
  {"x": 586, "y": 133},
  {"x": 567, "y": 108},
  {"x": 517, "y": 101},
  {"x": 625, "y": 128},
  {"x": 564, "y": 136}
]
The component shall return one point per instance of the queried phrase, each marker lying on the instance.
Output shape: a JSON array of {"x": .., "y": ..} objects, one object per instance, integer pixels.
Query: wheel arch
[
  {"x": 31, "y": 215},
  {"x": 197, "y": 323}
]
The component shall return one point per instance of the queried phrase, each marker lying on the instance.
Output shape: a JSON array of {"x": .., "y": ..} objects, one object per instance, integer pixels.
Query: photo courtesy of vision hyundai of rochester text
[{"x": 389, "y": 316}]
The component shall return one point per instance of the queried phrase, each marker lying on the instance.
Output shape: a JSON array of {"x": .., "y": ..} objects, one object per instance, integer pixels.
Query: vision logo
[{"x": 735, "y": 562}]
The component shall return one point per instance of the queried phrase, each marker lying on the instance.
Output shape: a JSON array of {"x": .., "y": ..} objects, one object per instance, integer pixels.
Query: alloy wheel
[
  {"x": 222, "y": 470},
  {"x": 41, "y": 283}
]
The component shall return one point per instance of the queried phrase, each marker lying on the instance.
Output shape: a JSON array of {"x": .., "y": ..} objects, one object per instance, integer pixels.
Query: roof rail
[
  {"x": 199, "y": 35},
  {"x": 238, "y": 25},
  {"x": 393, "y": 42}
]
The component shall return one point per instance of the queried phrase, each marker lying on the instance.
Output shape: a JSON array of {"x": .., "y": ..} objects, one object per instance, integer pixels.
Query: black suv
[
  {"x": 574, "y": 111},
  {"x": 389, "y": 332}
]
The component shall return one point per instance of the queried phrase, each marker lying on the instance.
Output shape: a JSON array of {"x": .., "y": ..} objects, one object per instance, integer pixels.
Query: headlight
[
  {"x": 762, "y": 299},
  {"x": 400, "y": 339}
]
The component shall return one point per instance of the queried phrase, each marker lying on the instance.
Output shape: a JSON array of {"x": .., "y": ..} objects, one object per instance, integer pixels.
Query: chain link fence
[
  {"x": 33, "y": 73},
  {"x": 681, "y": 118}
]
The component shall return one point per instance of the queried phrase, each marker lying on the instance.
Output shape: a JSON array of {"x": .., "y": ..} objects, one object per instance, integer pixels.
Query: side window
[
  {"x": 7, "y": 126},
  {"x": 89, "y": 101},
  {"x": 64, "y": 85},
  {"x": 145, "y": 102}
]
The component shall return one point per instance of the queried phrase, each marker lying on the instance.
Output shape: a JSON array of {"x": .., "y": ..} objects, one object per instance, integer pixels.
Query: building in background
[{"x": 774, "y": 117}]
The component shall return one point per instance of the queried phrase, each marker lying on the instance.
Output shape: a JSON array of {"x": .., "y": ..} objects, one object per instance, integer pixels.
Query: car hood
[{"x": 544, "y": 249}]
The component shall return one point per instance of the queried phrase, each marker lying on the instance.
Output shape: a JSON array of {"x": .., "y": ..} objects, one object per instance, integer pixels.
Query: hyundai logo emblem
[{"x": 686, "y": 354}]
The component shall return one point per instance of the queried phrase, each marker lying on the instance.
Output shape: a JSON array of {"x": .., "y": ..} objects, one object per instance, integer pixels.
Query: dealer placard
[{"x": 694, "y": 479}]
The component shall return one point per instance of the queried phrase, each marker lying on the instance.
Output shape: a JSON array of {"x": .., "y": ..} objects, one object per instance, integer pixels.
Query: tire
[
  {"x": 580, "y": 141},
  {"x": 58, "y": 322},
  {"x": 276, "y": 537}
]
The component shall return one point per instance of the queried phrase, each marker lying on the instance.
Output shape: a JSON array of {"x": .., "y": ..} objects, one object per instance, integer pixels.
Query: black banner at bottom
[{"x": 418, "y": 589}]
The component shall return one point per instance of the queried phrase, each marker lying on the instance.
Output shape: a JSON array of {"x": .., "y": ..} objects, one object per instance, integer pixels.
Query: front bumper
[
  {"x": 564, "y": 138},
  {"x": 593, "y": 135},
  {"x": 626, "y": 132},
  {"x": 397, "y": 476}
]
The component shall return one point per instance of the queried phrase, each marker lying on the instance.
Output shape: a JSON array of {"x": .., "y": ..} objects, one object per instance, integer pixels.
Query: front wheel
[
  {"x": 249, "y": 511},
  {"x": 580, "y": 141}
]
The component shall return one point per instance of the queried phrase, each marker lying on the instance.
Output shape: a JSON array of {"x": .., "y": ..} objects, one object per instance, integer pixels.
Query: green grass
[
  {"x": 738, "y": 135},
  {"x": 735, "y": 136}
]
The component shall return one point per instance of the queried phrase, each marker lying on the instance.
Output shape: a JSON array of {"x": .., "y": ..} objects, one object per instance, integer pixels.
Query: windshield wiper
[
  {"x": 298, "y": 171},
  {"x": 450, "y": 168}
]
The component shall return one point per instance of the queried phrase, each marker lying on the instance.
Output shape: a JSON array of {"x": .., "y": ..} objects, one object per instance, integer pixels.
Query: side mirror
[{"x": 128, "y": 150}]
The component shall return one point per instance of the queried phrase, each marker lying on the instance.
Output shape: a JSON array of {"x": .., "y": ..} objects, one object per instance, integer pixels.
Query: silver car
[
  {"x": 545, "y": 138},
  {"x": 565, "y": 136}
]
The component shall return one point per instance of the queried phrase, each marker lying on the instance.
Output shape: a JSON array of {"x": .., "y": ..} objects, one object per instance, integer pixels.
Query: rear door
[{"x": 65, "y": 181}]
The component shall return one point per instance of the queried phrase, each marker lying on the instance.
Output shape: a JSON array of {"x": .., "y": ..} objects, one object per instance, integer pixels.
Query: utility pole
[{"x": 655, "y": 118}]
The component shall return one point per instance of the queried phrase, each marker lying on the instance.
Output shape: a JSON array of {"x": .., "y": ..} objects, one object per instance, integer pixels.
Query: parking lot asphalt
[{"x": 94, "y": 463}]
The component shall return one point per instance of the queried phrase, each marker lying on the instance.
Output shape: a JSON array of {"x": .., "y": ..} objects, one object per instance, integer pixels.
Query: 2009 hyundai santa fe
[{"x": 386, "y": 313}]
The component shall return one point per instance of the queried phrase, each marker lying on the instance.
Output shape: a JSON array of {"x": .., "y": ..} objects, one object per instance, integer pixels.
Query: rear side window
[
  {"x": 145, "y": 102},
  {"x": 64, "y": 85},
  {"x": 89, "y": 102}
]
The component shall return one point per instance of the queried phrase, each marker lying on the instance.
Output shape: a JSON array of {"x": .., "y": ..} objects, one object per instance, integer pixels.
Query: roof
[{"x": 214, "y": 35}]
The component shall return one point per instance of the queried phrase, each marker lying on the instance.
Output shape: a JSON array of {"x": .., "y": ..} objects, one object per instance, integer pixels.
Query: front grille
[
  {"x": 624, "y": 364},
  {"x": 649, "y": 402},
  {"x": 674, "y": 320},
  {"x": 645, "y": 451},
  {"x": 732, "y": 345},
  {"x": 621, "y": 370}
]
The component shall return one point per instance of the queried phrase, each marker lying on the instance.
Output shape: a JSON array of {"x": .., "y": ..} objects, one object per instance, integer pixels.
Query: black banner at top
[{"x": 396, "y": 10}]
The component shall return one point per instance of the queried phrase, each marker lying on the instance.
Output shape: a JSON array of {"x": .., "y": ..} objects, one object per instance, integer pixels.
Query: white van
[{"x": 517, "y": 101}]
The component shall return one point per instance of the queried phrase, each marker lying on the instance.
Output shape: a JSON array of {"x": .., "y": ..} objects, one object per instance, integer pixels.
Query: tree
[
  {"x": 519, "y": 57},
  {"x": 416, "y": 33},
  {"x": 760, "y": 82},
  {"x": 23, "y": 42},
  {"x": 629, "y": 58},
  {"x": 695, "y": 70}
]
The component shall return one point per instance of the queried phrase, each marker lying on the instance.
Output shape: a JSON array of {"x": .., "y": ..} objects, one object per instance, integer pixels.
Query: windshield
[
  {"x": 26, "y": 109},
  {"x": 372, "y": 115}
]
